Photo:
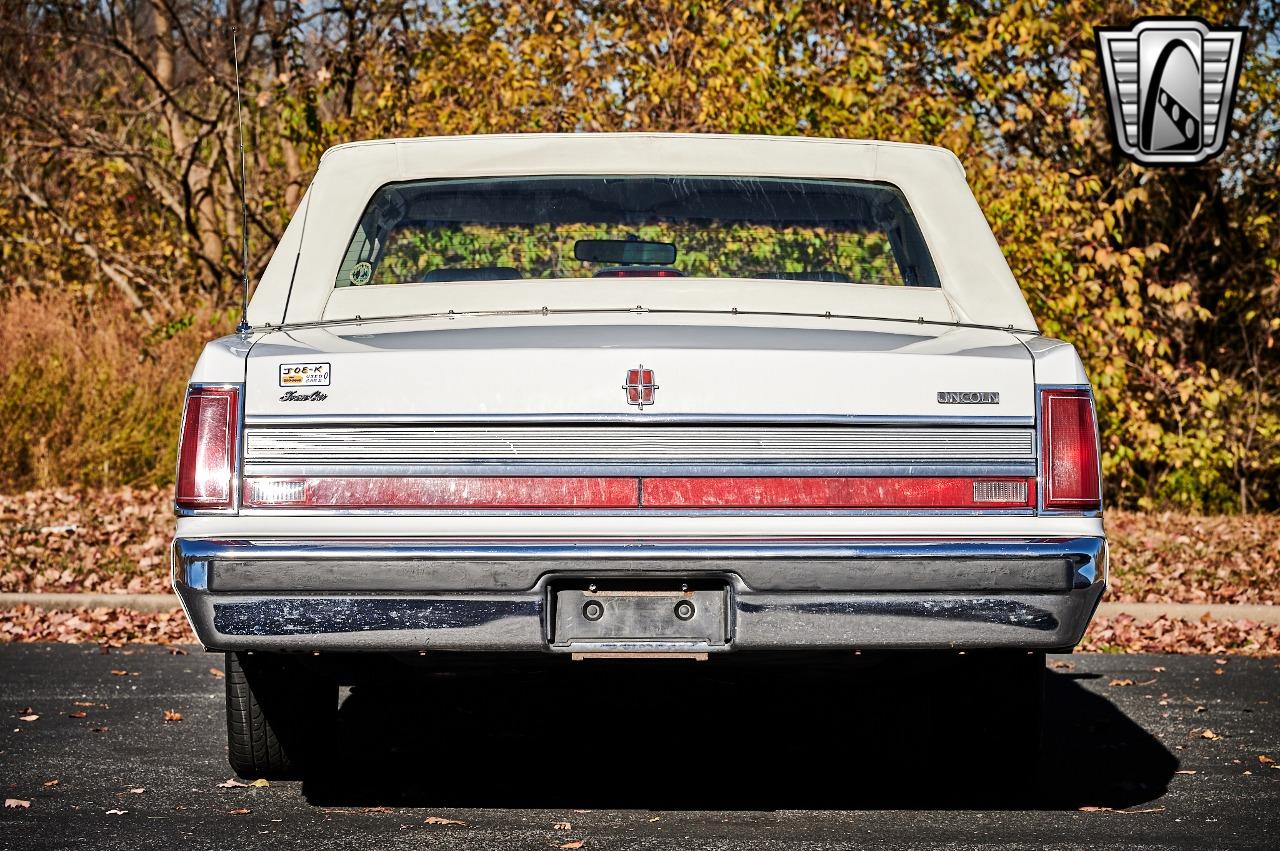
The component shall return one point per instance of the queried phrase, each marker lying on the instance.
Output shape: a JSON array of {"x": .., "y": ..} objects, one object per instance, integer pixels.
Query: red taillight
[
  {"x": 1069, "y": 451},
  {"x": 207, "y": 449}
]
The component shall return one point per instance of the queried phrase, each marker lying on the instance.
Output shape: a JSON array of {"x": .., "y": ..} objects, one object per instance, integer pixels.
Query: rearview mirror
[{"x": 625, "y": 251}]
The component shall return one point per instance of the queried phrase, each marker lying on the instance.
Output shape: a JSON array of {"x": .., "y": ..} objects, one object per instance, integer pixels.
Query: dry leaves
[
  {"x": 76, "y": 539},
  {"x": 440, "y": 820},
  {"x": 16, "y": 804},
  {"x": 561, "y": 825},
  {"x": 1169, "y": 557},
  {"x": 239, "y": 811},
  {"x": 1125, "y": 634},
  {"x": 172, "y": 715},
  {"x": 572, "y": 843},
  {"x": 109, "y": 627},
  {"x": 28, "y": 717},
  {"x": 217, "y": 673}
]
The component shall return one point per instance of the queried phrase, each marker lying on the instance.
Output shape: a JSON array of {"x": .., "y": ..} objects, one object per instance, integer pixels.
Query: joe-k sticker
[{"x": 304, "y": 375}]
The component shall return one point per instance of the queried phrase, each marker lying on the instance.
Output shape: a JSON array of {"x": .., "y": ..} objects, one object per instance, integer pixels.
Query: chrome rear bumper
[{"x": 494, "y": 595}]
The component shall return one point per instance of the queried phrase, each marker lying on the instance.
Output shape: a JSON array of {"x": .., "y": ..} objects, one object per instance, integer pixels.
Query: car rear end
[{"x": 553, "y": 419}]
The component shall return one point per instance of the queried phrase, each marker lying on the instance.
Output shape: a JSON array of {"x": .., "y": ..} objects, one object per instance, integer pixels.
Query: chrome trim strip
[
  {"x": 293, "y": 511},
  {"x": 635, "y": 418},
  {"x": 978, "y": 468},
  {"x": 637, "y": 310},
  {"x": 571, "y": 443}
]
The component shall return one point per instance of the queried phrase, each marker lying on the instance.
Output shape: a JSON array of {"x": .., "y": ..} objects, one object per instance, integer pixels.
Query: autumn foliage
[{"x": 119, "y": 220}]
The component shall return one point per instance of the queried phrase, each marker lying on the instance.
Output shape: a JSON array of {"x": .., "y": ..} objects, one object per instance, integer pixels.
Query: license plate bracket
[{"x": 640, "y": 615}]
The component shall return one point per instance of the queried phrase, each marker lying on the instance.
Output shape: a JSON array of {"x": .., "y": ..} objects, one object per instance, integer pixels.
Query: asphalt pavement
[{"x": 1141, "y": 752}]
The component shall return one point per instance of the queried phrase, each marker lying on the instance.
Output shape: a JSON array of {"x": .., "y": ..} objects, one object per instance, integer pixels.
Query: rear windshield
[{"x": 653, "y": 226}]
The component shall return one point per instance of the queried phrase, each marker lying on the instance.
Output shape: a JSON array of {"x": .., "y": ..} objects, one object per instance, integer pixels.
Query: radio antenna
[{"x": 243, "y": 327}]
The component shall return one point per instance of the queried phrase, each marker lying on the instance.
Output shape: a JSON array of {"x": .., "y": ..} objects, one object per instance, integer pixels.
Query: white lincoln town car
[{"x": 612, "y": 396}]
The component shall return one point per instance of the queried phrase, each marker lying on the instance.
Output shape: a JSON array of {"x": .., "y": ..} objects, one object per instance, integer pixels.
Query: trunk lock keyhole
[
  {"x": 592, "y": 610},
  {"x": 684, "y": 610}
]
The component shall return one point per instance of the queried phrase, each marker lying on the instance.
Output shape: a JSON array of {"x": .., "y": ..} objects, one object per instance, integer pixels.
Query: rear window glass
[{"x": 626, "y": 226}]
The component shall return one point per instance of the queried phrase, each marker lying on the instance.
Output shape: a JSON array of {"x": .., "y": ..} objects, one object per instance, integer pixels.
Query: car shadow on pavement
[{"x": 701, "y": 736}]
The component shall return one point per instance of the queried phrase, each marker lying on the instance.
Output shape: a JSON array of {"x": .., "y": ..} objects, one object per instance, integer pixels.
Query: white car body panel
[{"x": 569, "y": 368}]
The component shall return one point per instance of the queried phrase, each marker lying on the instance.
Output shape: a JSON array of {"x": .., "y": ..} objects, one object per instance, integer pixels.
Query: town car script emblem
[
  {"x": 1170, "y": 83},
  {"x": 640, "y": 387}
]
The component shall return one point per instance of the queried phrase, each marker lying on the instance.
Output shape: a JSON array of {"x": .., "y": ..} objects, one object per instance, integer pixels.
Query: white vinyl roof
[{"x": 976, "y": 281}]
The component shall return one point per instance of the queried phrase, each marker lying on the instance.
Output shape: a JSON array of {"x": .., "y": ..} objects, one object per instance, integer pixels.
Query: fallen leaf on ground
[
  {"x": 1124, "y": 682},
  {"x": 137, "y": 790},
  {"x": 441, "y": 820},
  {"x": 119, "y": 672},
  {"x": 573, "y": 843},
  {"x": 100, "y": 729},
  {"x": 1159, "y": 669},
  {"x": 49, "y": 784},
  {"x": 1209, "y": 734},
  {"x": 172, "y": 715},
  {"x": 116, "y": 812},
  {"x": 262, "y": 783},
  {"x": 17, "y": 803},
  {"x": 79, "y": 713},
  {"x": 233, "y": 783},
  {"x": 239, "y": 811},
  {"x": 217, "y": 673},
  {"x": 83, "y": 702},
  {"x": 1266, "y": 760},
  {"x": 29, "y": 718},
  {"x": 1096, "y": 810},
  {"x": 1060, "y": 665},
  {"x": 1184, "y": 771},
  {"x": 1140, "y": 812}
]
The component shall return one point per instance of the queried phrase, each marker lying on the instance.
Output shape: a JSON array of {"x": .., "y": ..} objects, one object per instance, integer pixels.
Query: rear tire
[{"x": 277, "y": 714}]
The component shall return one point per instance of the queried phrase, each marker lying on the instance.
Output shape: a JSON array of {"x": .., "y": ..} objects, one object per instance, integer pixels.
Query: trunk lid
[{"x": 570, "y": 368}]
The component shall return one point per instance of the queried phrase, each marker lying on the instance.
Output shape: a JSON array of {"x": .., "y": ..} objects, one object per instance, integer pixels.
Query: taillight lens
[
  {"x": 1069, "y": 450},
  {"x": 207, "y": 448}
]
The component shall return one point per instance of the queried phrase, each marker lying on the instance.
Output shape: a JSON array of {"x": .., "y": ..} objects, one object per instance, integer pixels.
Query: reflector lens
[
  {"x": 819, "y": 492},
  {"x": 1069, "y": 450},
  {"x": 444, "y": 492},
  {"x": 627, "y": 492},
  {"x": 207, "y": 449}
]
